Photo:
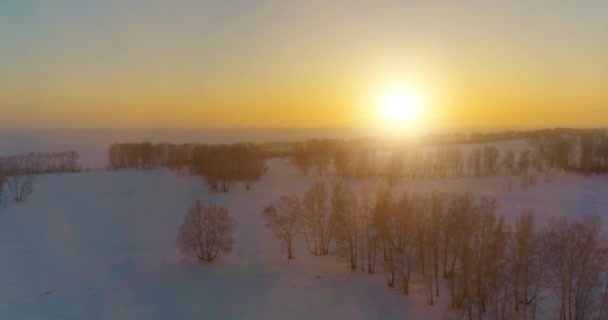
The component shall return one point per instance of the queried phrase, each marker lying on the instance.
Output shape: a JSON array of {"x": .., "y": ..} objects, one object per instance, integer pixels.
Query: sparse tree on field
[
  {"x": 250, "y": 164},
  {"x": 346, "y": 211},
  {"x": 206, "y": 232},
  {"x": 507, "y": 164},
  {"x": 369, "y": 245},
  {"x": 440, "y": 166},
  {"x": 485, "y": 253},
  {"x": 499, "y": 272},
  {"x": 2, "y": 180},
  {"x": 344, "y": 164},
  {"x": 437, "y": 206},
  {"x": 364, "y": 165},
  {"x": 302, "y": 159},
  {"x": 282, "y": 219},
  {"x": 474, "y": 162},
  {"x": 322, "y": 155},
  {"x": 454, "y": 158},
  {"x": 530, "y": 266},
  {"x": 421, "y": 225},
  {"x": 523, "y": 163},
  {"x": 461, "y": 218},
  {"x": 317, "y": 219},
  {"x": 20, "y": 186},
  {"x": 404, "y": 240},
  {"x": 490, "y": 160},
  {"x": 578, "y": 260},
  {"x": 382, "y": 215},
  {"x": 393, "y": 168}
]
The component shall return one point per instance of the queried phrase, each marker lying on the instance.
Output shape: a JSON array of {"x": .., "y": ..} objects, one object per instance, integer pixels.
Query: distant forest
[
  {"x": 41, "y": 162},
  {"x": 583, "y": 151}
]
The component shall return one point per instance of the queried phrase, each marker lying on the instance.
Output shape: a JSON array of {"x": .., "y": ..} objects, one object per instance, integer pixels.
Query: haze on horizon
[{"x": 301, "y": 64}]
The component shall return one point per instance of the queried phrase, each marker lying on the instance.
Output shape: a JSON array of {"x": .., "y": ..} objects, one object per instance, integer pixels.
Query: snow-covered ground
[{"x": 101, "y": 245}]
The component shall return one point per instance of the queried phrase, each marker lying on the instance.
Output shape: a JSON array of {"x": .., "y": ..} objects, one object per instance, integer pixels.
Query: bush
[
  {"x": 206, "y": 232},
  {"x": 20, "y": 186}
]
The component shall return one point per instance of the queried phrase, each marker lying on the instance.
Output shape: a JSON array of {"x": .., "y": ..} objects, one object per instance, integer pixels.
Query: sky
[{"x": 301, "y": 64}]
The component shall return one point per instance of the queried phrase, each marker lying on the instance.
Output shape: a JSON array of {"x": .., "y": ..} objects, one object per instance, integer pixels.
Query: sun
[{"x": 400, "y": 106}]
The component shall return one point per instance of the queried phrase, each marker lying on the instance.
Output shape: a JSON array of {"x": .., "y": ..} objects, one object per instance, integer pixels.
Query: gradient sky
[{"x": 277, "y": 63}]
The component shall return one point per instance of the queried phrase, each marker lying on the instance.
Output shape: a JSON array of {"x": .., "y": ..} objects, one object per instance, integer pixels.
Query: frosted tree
[{"x": 206, "y": 232}]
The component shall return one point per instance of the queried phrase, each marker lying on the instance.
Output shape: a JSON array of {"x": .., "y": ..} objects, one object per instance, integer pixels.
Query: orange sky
[{"x": 113, "y": 64}]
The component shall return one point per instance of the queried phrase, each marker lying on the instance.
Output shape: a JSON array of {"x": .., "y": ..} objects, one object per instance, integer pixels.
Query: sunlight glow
[{"x": 401, "y": 107}]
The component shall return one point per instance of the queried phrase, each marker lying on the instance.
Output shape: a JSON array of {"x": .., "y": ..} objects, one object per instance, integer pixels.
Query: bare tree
[
  {"x": 579, "y": 256},
  {"x": 347, "y": 222},
  {"x": 251, "y": 166},
  {"x": 484, "y": 253},
  {"x": 369, "y": 245},
  {"x": 475, "y": 162},
  {"x": 282, "y": 219},
  {"x": 507, "y": 163},
  {"x": 206, "y": 232},
  {"x": 461, "y": 220},
  {"x": 455, "y": 160},
  {"x": 393, "y": 168},
  {"x": 317, "y": 219},
  {"x": 523, "y": 163},
  {"x": 406, "y": 246},
  {"x": 490, "y": 160},
  {"x": 2, "y": 180},
  {"x": 530, "y": 266},
  {"x": 301, "y": 159},
  {"x": 437, "y": 208},
  {"x": 20, "y": 186},
  {"x": 382, "y": 215},
  {"x": 404, "y": 240},
  {"x": 420, "y": 227},
  {"x": 364, "y": 165},
  {"x": 344, "y": 164}
]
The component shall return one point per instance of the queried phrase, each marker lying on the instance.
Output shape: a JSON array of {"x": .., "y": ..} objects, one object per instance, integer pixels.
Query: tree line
[
  {"x": 17, "y": 172},
  {"x": 220, "y": 166},
  {"x": 583, "y": 152},
  {"x": 456, "y": 246},
  {"x": 42, "y": 162},
  {"x": 354, "y": 160}
]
